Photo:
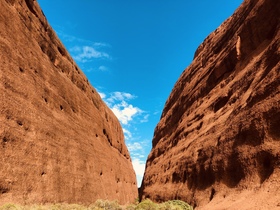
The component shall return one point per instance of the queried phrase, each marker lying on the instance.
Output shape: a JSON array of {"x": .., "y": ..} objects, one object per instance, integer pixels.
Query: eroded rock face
[
  {"x": 217, "y": 145},
  {"x": 59, "y": 142}
]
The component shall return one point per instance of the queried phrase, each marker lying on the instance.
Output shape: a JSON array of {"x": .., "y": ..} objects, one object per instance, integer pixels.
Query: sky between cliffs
[{"x": 133, "y": 52}]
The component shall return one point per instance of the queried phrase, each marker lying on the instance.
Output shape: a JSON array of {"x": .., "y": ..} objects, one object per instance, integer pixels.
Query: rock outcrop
[
  {"x": 217, "y": 143},
  {"x": 59, "y": 142}
]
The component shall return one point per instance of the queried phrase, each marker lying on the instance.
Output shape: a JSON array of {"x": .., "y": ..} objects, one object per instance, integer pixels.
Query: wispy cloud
[
  {"x": 127, "y": 134},
  {"x": 136, "y": 146},
  {"x": 102, "y": 68},
  {"x": 93, "y": 69},
  {"x": 84, "y": 51},
  {"x": 117, "y": 96},
  {"x": 145, "y": 118},
  {"x": 69, "y": 38},
  {"x": 87, "y": 53}
]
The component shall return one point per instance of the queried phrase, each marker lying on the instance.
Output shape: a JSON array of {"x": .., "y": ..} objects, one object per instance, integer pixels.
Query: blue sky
[{"x": 133, "y": 52}]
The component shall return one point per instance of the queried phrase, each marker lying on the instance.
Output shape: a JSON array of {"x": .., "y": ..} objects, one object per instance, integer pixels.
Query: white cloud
[
  {"x": 102, "y": 68},
  {"x": 86, "y": 53},
  {"x": 121, "y": 108},
  {"x": 145, "y": 118},
  {"x": 101, "y": 44},
  {"x": 69, "y": 38},
  {"x": 84, "y": 50},
  {"x": 139, "y": 168},
  {"x": 102, "y": 95},
  {"x": 119, "y": 96},
  {"x": 125, "y": 112},
  {"x": 136, "y": 146},
  {"x": 127, "y": 134}
]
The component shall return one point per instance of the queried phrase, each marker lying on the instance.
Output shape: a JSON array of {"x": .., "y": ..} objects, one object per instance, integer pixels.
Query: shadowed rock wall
[
  {"x": 217, "y": 143},
  {"x": 59, "y": 142}
]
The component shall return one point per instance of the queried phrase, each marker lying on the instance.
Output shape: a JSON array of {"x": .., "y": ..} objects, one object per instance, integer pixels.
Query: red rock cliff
[
  {"x": 59, "y": 142},
  {"x": 217, "y": 143}
]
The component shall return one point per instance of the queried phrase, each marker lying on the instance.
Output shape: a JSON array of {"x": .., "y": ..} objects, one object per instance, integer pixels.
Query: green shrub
[
  {"x": 65, "y": 207},
  {"x": 9, "y": 206},
  {"x": 169, "y": 205},
  {"x": 176, "y": 205},
  {"x": 44, "y": 207},
  {"x": 131, "y": 207},
  {"x": 106, "y": 205},
  {"x": 146, "y": 204}
]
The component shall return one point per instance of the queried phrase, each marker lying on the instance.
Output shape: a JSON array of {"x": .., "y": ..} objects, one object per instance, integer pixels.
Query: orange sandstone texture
[
  {"x": 59, "y": 142},
  {"x": 217, "y": 145}
]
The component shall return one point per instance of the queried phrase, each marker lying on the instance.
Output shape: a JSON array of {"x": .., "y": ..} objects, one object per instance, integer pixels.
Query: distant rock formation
[
  {"x": 59, "y": 142},
  {"x": 217, "y": 143}
]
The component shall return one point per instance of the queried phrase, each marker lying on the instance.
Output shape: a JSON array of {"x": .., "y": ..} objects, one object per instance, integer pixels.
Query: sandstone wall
[
  {"x": 59, "y": 142},
  {"x": 217, "y": 143}
]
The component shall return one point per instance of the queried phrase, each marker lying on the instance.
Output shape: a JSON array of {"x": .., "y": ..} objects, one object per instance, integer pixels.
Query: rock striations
[
  {"x": 217, "y": 144},
  {"x": 59, "y": 142}
]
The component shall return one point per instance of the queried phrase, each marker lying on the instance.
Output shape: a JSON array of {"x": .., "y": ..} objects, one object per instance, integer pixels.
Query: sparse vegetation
[{"x": 105, "y": 205}]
